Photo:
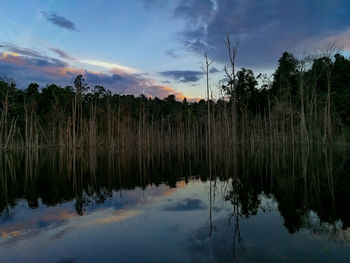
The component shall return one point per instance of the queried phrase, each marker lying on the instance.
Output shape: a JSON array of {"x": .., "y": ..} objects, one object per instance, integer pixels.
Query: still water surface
[{"x": 266, "y": 205}]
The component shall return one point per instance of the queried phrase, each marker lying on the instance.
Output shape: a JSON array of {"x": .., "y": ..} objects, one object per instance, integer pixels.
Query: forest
[{"x": 305, "y": 101}]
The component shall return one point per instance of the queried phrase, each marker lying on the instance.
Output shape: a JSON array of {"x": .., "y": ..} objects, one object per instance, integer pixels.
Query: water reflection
[{"x": 271, "y": 204}]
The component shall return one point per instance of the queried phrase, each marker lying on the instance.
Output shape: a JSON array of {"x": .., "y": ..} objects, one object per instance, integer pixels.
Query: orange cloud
[
  {"x": 12, "y": 58},
  {"x": 342, "y": 39},
  {"x": 62, "y": 71},
  {"x": 164, "y": 91},
  {"x": 122, "y": 78}
]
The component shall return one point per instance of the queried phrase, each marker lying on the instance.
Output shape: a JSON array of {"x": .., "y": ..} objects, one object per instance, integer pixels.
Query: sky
[{"x": 155, "y": 47}]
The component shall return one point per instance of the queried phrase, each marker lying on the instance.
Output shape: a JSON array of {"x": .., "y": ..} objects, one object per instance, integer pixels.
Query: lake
[{"x": 266, "y": 204}]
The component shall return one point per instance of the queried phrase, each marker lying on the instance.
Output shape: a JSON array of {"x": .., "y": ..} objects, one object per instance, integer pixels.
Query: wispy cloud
[
  {"x": 59, "y": 21},
  {"x": 27, "y": 56},
  {"x": 171, "y": 53},
  {"x": 62, "y": 54},
  {"x": 213, "y": 70},
  {"x": 264, "y": 29},
  {"x": 184, "y": 76},
  {"x": 22, "y": 51},
  {"x": 109, "y": 65}
]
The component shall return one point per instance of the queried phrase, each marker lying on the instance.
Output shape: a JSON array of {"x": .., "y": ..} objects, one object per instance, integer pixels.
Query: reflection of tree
[
  {"x": 87, "y": 177},
  {"x": 211, "y": 190},
  {"x": 300, "y": 180},
  {"x": 233, "y": 198},
  {"x": 210, "y": 219},
  {"x": 328, "y": 231},
  {"x": 303, "y": 181}
]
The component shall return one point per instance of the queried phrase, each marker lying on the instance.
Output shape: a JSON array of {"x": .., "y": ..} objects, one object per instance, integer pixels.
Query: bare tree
[
  {"x": 230, "y": 73},
  {"x": 231, "y": 76},
  {"x": 205, "y": 67}
]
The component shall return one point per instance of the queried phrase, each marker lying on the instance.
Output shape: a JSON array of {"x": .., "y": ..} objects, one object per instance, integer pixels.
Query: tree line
[{"x": 305, "y": 101}]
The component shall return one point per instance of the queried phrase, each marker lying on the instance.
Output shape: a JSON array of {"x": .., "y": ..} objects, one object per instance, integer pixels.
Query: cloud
[
  {"x": 159, "y": 3},
  {"x": 184, "y": 76},
  {"x": 171, "y": 53},
  {"x": 28, "y": 66},
  {"x": 59, "y": 21},
  {"x": 62, "y": 54},
  {"x": 136, "y": 84},
  {"x": 203, "y": 11},
  {"x": 342, "y": 39},
  {"x": 109, "y": 65},
  {"x": 187, "y": 204},
  {"x": 30, "y": 56},
  {"x": 213, "y": 70},
  {"x": 264, "y": 29},
  {"x": 24, "y": 71},
  {"x": 22, "y": 51},
  {"x": 103, "y": 78}
]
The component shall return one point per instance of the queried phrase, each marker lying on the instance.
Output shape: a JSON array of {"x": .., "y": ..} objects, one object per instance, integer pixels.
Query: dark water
[{"x": 254, "y": 205}]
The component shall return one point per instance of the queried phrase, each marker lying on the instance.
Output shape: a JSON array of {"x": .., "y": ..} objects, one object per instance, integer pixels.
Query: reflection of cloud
[
  {"x": 187, "y": 204},
  {"x": 29, "y": 227},
  {"x": 64, "y": 218},
  {"x": 67, "y": 260},
  {"x": 5, "y": 234},
  {"x": 117, "y": 216},
  {"x": 38, "y": 220},
  {"x": 62, "y": 232},
  {"x": 176, "y": 228}
]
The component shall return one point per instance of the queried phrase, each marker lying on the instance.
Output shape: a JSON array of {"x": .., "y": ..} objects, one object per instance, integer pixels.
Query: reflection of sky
[
  {"x": 26, "y": 222},
  {"x": 159, "y": 224}
]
